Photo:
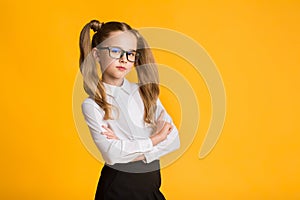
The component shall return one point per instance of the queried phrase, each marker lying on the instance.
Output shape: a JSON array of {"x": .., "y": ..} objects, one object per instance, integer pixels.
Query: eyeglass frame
[{"x": 137, "y": 54}]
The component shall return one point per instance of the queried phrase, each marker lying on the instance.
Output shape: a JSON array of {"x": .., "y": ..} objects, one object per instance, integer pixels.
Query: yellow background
[{"x": 255, "y": 46}]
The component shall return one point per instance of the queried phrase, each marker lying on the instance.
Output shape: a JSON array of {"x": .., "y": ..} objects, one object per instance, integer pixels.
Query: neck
[{"x": 115, "y": 82}]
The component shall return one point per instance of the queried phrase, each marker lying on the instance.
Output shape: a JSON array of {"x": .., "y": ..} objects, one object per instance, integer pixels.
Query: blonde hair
[{"x": 146, "y": 68}]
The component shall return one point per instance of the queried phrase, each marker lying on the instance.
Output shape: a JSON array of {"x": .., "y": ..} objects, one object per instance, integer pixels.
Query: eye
[
  {"x": 132, "y": 53},
  {"x": 115, "y": 50}
]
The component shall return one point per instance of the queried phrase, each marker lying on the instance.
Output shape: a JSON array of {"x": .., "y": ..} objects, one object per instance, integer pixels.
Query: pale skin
[{"x": 113, "y": 75}]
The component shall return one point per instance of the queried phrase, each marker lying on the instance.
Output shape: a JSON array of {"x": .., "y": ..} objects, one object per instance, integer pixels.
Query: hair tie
[{"x": 96, "y": 25}]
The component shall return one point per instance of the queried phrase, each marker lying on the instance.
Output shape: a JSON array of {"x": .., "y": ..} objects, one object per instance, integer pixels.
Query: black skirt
[{"x": 115, "y": 183}]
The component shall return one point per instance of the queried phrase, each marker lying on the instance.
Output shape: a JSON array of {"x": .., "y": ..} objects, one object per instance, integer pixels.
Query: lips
[{"x": 121, "y": 68}]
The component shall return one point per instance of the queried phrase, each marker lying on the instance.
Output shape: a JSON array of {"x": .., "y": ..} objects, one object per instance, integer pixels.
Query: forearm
[
  {"x": 171, "y": 143},
  {"x": 121, "y": 151},
  {"x": 156, "y": 139}
]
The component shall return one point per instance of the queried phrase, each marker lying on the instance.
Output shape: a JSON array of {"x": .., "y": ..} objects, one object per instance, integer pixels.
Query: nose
[{"x": 123, "y": 58}]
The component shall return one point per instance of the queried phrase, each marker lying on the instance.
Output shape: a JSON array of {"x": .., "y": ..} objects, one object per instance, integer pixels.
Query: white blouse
[{"x": 128, "y": 125}]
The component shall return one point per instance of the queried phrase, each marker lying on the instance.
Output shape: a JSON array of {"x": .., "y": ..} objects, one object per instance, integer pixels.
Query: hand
[
  {"x": 141, "y": 157},
  {"x": 160, "y": 122},
  {"x": 163, "y": 129},
  {"x": 109, "y": 133}
]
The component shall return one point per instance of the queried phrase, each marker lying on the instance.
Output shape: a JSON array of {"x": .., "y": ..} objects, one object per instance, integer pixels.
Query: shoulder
[
  {"x": 89, "y": 104},
  {"x": 89, "y": 101},
  {"x": 159, "y": 103}
]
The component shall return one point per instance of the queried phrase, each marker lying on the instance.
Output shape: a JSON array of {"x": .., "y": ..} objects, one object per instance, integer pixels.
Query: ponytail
[
  {"x": 88, "y": 68},
  {"x": 148, "y": 79}
]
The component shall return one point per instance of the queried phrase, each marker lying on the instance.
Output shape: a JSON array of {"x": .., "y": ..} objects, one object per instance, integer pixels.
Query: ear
[{"x": 95, "y": 53}]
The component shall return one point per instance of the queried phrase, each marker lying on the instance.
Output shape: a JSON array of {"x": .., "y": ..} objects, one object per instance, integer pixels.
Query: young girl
[{"x": 127, "y": 121}]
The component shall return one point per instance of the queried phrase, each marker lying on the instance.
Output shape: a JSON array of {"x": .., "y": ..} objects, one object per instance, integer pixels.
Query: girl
[{"x": 127, "y": 121}]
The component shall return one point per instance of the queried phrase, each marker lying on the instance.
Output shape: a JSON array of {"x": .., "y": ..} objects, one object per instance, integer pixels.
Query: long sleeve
[
  {"x": 113, "y": 151},
  {"x": 170, "y": 144}
]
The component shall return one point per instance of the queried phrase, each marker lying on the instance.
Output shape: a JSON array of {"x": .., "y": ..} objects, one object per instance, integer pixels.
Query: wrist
[{"x": 156, "y": 138}]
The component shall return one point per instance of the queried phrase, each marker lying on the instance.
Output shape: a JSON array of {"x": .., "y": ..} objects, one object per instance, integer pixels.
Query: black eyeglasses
[{"x": 117, "y": 53}]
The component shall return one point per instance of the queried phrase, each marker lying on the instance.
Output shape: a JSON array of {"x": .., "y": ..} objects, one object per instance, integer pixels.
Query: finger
[
  {"x": 106, "y": 128},
  {"x": 108, "y": 134},
  {"x": 112, "y": 137},
  {"x": 170, "y": 129},
  {"x": 105, "y": 133},
  {"x": 166, "y": 127}
]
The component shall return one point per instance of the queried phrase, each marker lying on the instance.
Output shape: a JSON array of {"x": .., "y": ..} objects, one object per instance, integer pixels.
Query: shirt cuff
[{"x": 149, "y": 157}]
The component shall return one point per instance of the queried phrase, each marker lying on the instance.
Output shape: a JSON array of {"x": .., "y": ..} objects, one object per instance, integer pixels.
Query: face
[{"x": 114, "y": 69}]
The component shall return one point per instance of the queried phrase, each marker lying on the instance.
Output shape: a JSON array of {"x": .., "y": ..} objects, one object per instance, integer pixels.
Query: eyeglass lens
[{"x": 116, "y": 52}]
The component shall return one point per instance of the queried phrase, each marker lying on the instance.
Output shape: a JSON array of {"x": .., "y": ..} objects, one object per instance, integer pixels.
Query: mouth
[{"x": 121, "y": 68}]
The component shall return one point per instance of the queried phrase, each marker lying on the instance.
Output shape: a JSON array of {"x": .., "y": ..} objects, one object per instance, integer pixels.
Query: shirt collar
[{"x": 114, "y": 91}]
